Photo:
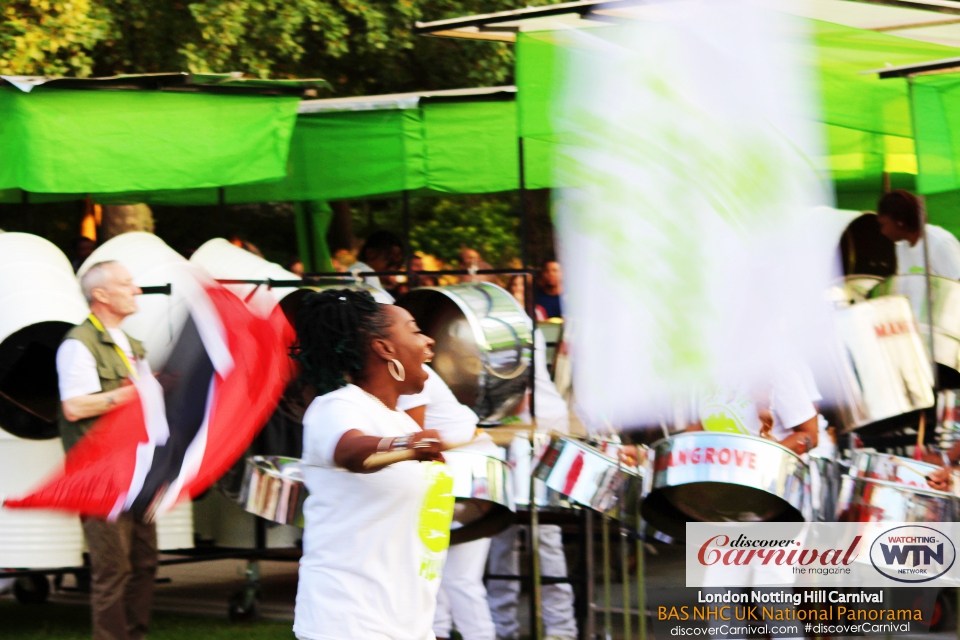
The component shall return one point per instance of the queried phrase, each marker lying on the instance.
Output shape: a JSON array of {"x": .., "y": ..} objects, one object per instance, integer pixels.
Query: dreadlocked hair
[{"x": 334, "y": 329}]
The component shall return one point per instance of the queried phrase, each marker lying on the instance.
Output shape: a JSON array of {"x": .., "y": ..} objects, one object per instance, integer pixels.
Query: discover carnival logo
[
  {"x": 820, "y": 554},
  {"x": 912, "y": 553},
  {"x": 744, "y": 551}
]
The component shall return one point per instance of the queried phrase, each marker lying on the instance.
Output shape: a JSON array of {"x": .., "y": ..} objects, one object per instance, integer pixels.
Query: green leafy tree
[
  {"x": 41, "y": 37},
  {"x": 358, "y": 46},
  {"x": 489, "y": 224}
]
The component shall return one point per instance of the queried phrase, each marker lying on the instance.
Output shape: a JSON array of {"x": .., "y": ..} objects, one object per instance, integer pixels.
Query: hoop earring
[{"x": 395, "y": 367}]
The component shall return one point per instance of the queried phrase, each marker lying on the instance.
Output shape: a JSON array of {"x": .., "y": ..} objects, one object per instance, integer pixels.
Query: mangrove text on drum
[{"x": 707, "y": 455}]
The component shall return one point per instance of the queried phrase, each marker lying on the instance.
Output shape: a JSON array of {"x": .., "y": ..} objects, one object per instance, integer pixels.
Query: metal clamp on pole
[{"x": 160, "y": 289}]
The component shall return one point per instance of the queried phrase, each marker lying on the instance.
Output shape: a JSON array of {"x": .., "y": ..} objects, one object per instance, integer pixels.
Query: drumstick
[
  {"x": 501, "y": 436},
  {"x": 921, "y": 432}
]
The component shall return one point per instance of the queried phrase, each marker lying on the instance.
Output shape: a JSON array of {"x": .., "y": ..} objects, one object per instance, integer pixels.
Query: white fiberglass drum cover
[
  {"x": 225, "y": 261},
  {"x": 34, "y": 538},
  {"x": 41, "y": 301},
  {"x": 151, "y": 262}
]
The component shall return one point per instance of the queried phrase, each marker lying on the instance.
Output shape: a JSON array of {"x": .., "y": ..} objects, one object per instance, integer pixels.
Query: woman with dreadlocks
[{"x": 375, "y": 539}]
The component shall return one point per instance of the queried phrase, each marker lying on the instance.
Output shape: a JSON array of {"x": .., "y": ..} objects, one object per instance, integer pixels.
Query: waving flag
[
  {"x": 686, "y": 143},
  {"x": 222, "y": 381}
]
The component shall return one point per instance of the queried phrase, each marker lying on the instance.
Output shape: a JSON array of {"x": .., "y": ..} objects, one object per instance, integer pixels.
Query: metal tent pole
[
  {"x": 407, "y": 252},
  {"x": 926, "y": 248},
  {"x": 222, "y": 210},
  {"x": 641, "y": 582},
  {"x": 536, "y": 591}
]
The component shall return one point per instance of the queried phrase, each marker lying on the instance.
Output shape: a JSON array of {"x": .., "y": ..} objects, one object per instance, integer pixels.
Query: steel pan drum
[
  {"x": 591, "y": 478},
  {"x": 883, "y": 373},
  {"x": 856, "y": 288},
  {"x": 868, "y": 500},
  {"x": 483, "y": 344},
  {"x": 889, "y": 468},
  {"x": 723, "y": 477},
  {"x": 273, "y": 489},
  {"x": 482, "y": 487},
  {"x": 946, "y": 311},
  {"x": 948, "y": 418},
  {"x": 523, "y": 458},
  {"x": 825, "y": 478}
]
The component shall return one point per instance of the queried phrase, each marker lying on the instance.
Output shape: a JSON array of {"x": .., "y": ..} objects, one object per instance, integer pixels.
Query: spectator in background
[
  {"x": 900, "y": 216},
  {"x": 546, "y": 294},
  {"x": 237, "y": 241},
  {"x": 295, "y": 266},
  {"x": 383, "y": 251},
  {"x": 82, "y": 248},
  {"x": 470, "y": 260},
  {"x": 343, "y": 259},
  {"x": 518, "y": 289}
]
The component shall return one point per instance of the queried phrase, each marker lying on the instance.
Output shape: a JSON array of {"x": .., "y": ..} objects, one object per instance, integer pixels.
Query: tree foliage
[
  {"x": 489, "y": 224},
  {"x": 41, "y": 37},
  {"x": 358, "y": 46}
]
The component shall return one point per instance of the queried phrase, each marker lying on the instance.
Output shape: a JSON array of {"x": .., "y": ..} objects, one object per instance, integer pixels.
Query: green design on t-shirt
[
  {"x": 722, "y": 422},
  {"x": 436, "y": 515}
]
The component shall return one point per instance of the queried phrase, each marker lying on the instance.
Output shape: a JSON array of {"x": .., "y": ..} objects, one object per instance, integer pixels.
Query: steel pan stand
[{"x": 536, "y": 593}]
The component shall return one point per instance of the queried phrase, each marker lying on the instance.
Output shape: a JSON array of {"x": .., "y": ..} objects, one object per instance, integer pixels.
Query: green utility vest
[{"x": 110, "y": 368}]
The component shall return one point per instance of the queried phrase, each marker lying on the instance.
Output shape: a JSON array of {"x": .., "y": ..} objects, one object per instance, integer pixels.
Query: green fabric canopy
[
  {"x": 867, "y": 121},
  {"x": 81, "y": 141},
  {"x": 436, "y": 147}
]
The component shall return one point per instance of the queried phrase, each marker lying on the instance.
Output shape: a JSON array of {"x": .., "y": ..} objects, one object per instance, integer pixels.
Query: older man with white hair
[{"x": 95, "y": 364}]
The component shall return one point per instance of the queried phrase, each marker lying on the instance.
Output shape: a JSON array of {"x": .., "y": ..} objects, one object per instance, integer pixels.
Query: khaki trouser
[{"x": 123, "y": 559}]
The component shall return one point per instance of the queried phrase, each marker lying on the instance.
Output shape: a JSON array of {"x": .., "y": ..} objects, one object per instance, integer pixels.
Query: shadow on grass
[{"x": 69, "y": 622}]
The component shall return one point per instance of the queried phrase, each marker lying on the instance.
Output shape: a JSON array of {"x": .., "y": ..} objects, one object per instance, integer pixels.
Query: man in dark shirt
[{"x": 549, "y": 288}]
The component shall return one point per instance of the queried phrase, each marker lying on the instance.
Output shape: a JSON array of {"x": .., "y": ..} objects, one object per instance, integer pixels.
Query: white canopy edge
[
  {"x": 394, "y": 100},
  {"x": 934, "y": 21}
]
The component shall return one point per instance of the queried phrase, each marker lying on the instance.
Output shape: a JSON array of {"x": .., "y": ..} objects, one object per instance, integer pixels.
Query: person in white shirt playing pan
[
  {"x": 898, "y": 213},
  {"x": 462, "y": 599},
  {"x": 375, "y": 539}
]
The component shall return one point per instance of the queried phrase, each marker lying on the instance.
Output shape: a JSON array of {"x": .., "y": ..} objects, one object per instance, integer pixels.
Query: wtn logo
[
  {"x": 922, "y": 554},
  {"x": 912, "y": 553}
]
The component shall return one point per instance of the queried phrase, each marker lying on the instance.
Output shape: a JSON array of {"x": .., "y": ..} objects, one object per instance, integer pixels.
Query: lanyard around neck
[{"x": 99, "y": 327}]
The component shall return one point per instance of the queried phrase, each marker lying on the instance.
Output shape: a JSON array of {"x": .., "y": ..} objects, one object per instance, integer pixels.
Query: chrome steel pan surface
[
  {"x": 856, "y": 287},
  {"x": 591, "y": 478},
  {"x": 868, "y": 500},
  {"x": 883, "y": 466},
  {"x": 523, "y": 459},
  {"x": 946, "y": 311},
  {"x": 825, "y": 476},
  {"x": 484, "y": 493},
  {"x": 724, "y": 477},
  {"x": 883, "y": 373},
  {"x": 273, "y": 489},
  {"x": 483, "y": 345}
]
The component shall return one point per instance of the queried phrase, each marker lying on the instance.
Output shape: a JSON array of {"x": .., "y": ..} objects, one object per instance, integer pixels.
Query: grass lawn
[{"x": 71, "y": 622}]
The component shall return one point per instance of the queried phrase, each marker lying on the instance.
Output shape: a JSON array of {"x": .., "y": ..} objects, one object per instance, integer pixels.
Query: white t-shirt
[
  {"x": 944, "y": 254},
  {"x": 77, "y": 368},
  {"x": 553, "y": 412},
  {"x": 456, "y": 423},
  {"x": 374, "y": 544},
  {"x": 734, "y": 410}
]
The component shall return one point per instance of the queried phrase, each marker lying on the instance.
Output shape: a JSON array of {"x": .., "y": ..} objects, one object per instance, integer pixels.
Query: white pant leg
[
  {"x": 559, "y": 617},
  {"x": 463, "y": 595},
  {"x": 442, "y": 622},
  {"x": 502, "y": 595}
]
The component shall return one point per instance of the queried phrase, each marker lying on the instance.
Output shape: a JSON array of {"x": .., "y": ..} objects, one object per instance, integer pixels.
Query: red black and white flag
[{"x": 225, "y": 375}]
